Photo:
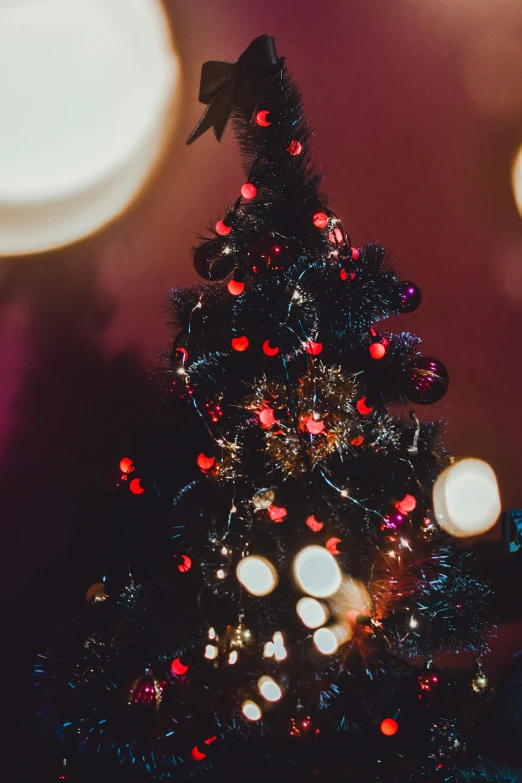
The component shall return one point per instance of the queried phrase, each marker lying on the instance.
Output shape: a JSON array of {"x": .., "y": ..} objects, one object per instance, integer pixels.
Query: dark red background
[{"x": 417, "y": 116}]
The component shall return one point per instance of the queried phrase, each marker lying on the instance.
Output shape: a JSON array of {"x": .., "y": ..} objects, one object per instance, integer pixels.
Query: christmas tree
[{"x": 279, "y": 584}]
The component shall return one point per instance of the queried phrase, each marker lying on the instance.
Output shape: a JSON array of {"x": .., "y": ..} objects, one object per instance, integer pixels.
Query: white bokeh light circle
[
  {"x": 269, "y": 689},
  {"x": 311, "y": 612},
  {"x": 257, "y": 575},
  {"x": 328, "y": 640},
  {"x": 466, "y": 498},
  {"x": 85, "y": 93},
  {"x": 251, "y": 710},
  {"x": 316, "y": 572}
]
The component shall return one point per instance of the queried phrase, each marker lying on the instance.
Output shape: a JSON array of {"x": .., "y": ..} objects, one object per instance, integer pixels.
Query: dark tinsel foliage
[{"x": 281, "y": 431}]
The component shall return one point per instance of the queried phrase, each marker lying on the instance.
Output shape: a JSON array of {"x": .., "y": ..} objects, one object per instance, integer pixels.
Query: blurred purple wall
[{"x": 417, "y": 115}]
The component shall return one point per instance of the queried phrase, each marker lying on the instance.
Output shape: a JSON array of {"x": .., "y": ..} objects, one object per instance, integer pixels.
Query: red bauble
[
  {"x": 185, "y": 565},
  {"x": 363, "y": 407},
  {"x": 425, "y": 380},
  {"x": 269, "y": 254},
  {"x": 314, "y": 427},
  {"x": 214, "y": 410},
  {"x": 240, "y": 343},
  {"x": 320, "y": 220},
  {"x": 266, "y": 417},
  {"x": 389, "y": 727},
  {"x": 235, "y": 287},
  {"x": 331, "y": 545},
  {"x": 126, "y": 465},
  {"x": 313, "y": 348},
  {"x": 355, "y": 253},
  {"x": 222, "y": 229},
  {"x": 204, "y": 462},
  {"x": 268, "y": 350},
  {"x": 295, "y": 147},
  {"x": 377, "y": 350},
  {"x": 135, "y": 487},
  {"x": 314, "y": 525},
  {"x": 146, "y": 691},
  {"x": 178, "y": 668},
  {"x": 248, "y": 191},
  {"x": 406, "y": 505},
  {"x": 262, "y": 119},
  {"x": 277, "y": 513}
]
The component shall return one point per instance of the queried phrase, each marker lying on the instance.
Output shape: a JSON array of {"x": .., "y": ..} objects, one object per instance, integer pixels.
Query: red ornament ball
[
  {"x": 222, "y": 229},
  {"x": 314, "y": 427},
  {"x": 363, "y": 407},
  {"x": 204, "y": 462},
  {"x": 389, "y": 727},
  {"x": 268, "y": 254},
  {"x": 407, "y": 504},
  {"x": 135, "y": 487},
  {"x": 320, "y": 220},
  {"x": 266, "y": 417},
  {"x": 248, "y": 191},
  {"x": 262, "y": 119},
  {"x": 313, "y": 348},
  {"x": 178, "y": 668},
  {"x": 295, "y": 147},
  {"x": 355, "y": 253},
  {"x": 126, "y": 465},
  {"x": 277, "y": 513},
  {"x": 377, "y": 350},
  {"x": 240, "y": 344},
  {"x": 268, "y": 350},
  {"x": 196, "y": 754},
  {"x": 185, "y": 565},
  {"x": 235, "y": 287},
  {"x": 425, "y": 380}
]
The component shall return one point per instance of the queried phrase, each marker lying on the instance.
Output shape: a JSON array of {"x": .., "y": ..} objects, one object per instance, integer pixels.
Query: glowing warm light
[
  {"x": 313, "y": 426},
  {"x": 257, "y": 575},
  {"x": 178, "y": 668},
  {"x": 232, "y": 658},
  {"x": 317, "y": 572},
  {"x": 516, "y": 179},
  {"x": 248, "y": 191},
  {"x": 135, "y": 487},
  {"x": 406, "y": 505},
  {"x": 311, "y": 612},
  {"x": 277, "y": 513},
  {"x": 185, "y": 565},
  {"x": 211, "y": 652},
  {"x": 211, "y": 633},
  {"x": 126, "y": 465},
  {"x": 204, "y": 462},
  {"x": 320, "y": 220},
  {"x": 466, "y": 498},
  {"x": 389, "y": 727},
  {"x": 295, "y": 147},
  {"x": 250, "y": 710},
  {"x": 276, "y": 648},
  {"x": 266, "y": 417},
  {"x": 313, "y": 524},
  {"x": 240, "y": 343},
  {"x": 80, "y": 131},
  {"x": 222, "y": 229},
  {"x": 377, "y": 350},
  {"x": 220, "y": 574},
  {"x": 327, "y": 640},
  {"x": 269, "y": 689},
  {"x": 197, "y": 755},
  {"x": 268, "y": 350},
  {"x": 331, "y": 545},
  {"x": 262, "y": 119},
  {"x": 235, "y": 287},
  {"x": 313, "y": 348},
  {"x": 363, "y": 407}
]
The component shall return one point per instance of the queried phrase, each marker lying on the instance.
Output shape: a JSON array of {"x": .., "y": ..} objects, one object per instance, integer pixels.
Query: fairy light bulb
[
  {"x": 257, "y": 575},
  {"x": 311, "y": 612},
  {"x": 327, "y": 640},
  {"x": 232, "y": 658},
  {"x": 466, "y": 498},
  {"x": 316, "y": 572},
  {"x": 269, "y": 689},
  {"x": 250, "y": 710},
  {"x": 211, "y": 652}
]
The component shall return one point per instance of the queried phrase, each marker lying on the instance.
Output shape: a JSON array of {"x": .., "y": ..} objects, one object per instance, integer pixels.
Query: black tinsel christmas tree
[{"x": 279, "y": 586}]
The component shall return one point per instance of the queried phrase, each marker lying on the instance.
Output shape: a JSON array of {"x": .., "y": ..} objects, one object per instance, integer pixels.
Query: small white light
[
  {"x": 211, "y": 652},
  {"x": 181, "y": 371},
  {"x": 250, "y": 710},
  {"x": 466, "y": 498},
  {"x": 317, "y": 572},
  {"x": 413, "y": 623},
  {"x": 220, "y": 574},
  {"x": 279, "y": 647},
  {"x": 232, "y": 658},
  {"x": 233, "y": 510},
  {"x": 327, "y": 640},
  {"x": 344, "y": 493},
  {"x": 226, "y": 250},
  {"x": 224, "y": 551},
  {"x": 268, "y": 650},
  {"x": 211, "y": 633},
  {"x": 269, "y": 689},
  {"x": 312, "y": 613},
  {"x": 257, "y": 575}
]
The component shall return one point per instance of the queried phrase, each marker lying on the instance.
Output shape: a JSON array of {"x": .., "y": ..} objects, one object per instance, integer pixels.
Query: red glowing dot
[
  {"x": 407, "y": 504},
  {"x": 210, "y": 740},
  {"x": 205, "y": 463},
  {"x": 248, "y": 190},
  {"x": 314, "y": 427},
  {"x": 295, "y": 147},
  {"x": 222, "y": 229},
  {"x": 313, "y": 524},
  {"x": 331, "y": 545},
  {"x": 235, "y": 287},
  {"x": 336, "y": 236},
  {"x": 389, "y": 727},
  {"x": 355, "y": 253},
  {"x": 185, "y": 565},
  {"x": 277, "y": 514},
  {"x": 268, "y": 350},
  {"x": 240, "y": 343},
  {"x": 363, "y": 408},
  {"x": 314, "y": 349},
  {"x": 266, "y": 417},
  {"x": 197, "y": 755},
  {"x": 126, "y": 465},
  {"x": 377, "y": 350},
  {"x": 358, "y": 441},
  {"x": 343, "y": 274},
  {"x": 262, "y": 118},
  {"x": 177, "y": 667},
  {"x": 320, "y": 220},
  {"x": 135, "y": 487},
  {"x": 182, "y": 353}
]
